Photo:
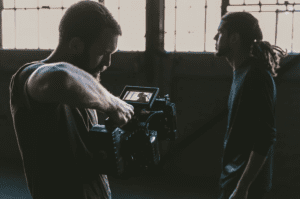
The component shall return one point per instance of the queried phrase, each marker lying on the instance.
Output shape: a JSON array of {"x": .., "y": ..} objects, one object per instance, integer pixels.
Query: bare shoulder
[
  {"x": 50, "y": 70},
  {"x": 45, "y": 81},
  {"x": 58, "y": 66},
  {"x": 69, "y": 68}
]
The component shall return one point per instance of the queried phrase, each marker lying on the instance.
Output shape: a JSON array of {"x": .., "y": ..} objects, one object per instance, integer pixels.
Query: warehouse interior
[{"x": 199, "y": 84}]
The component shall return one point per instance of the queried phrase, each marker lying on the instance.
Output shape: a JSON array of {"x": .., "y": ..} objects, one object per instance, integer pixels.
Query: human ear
[
  {"x": 76, "y": 45},
  {"x": 235, "y": 38}
]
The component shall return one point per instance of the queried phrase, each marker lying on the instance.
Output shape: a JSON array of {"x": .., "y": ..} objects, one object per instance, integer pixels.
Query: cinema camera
[{"x": 133, "y": 149}]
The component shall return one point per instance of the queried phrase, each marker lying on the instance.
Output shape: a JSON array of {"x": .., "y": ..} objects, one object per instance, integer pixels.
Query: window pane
[
  {"x": 252, "y": 1},
  {"x": 242, "y": 8},
  {"x": 268, "y": 1},
  {"x": 190, "y": 25},
  {"x": 27, "y": 29},
  {"x": 26, "y": 3},
  {"x": 112, "y": 6},
  {"x": 212, "y": 24},
  {"x": 52, "y": 3},
  {"x": 63, "y": 12},
  {"x": 252, "y": 8},
  {"x": 297, "y": 7},
  {"x": 67, "y": 3},
  {"x": 133, "y": 24},
  {"x": 282, "y": 1},
  {"x": 284, "y": 35},
  {"x": 290, "y": 1},
  {"x": 169, "y": 25},
  {"x": 235, "y": 8},
  {"x": 236, "y": 2},
  {"x": 48, "y": 24},
  {"x": 267, "y": 21},
  {"x": 272, "y": 8},
  {"x": 8, "y": 29},
  {"x": 296, "y": 41},
  {"x": 8, "y": 3}
]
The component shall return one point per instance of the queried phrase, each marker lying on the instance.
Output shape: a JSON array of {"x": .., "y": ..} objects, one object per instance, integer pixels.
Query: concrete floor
[
  {"x": 172, "y": 184},
  {"x": 13, "y": 185}
]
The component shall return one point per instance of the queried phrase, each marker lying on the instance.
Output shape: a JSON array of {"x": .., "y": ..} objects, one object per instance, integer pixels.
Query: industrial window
[
  {"x": 131, "y": 15},
  {"x": 191, "y": 25},
  {"x": 33, "y": 24},
  {"x": 278, "y": 19}
]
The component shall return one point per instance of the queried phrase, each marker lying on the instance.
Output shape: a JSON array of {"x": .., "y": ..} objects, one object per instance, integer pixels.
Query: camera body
[{"x": 134, "y": 149}]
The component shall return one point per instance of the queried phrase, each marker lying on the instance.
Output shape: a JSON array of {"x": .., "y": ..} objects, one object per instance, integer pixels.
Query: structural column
[
  {"x": 1, "y": 36},
  {"x": 224, "y": 5},
  {"x": 150, "y": 70}
]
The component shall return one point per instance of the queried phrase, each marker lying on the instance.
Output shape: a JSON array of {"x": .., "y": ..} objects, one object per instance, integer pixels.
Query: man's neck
[
  {"x": 237, "y": 59},
  {"x": 58, "y": 55}
]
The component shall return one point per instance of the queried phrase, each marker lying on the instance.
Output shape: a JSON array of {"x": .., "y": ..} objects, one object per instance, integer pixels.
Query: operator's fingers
[
  {"x": 129, "y": 117},
  {"x": 131, "y": 109}
]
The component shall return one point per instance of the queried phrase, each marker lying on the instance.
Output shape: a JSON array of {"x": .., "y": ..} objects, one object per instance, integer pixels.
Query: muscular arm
[
  {"x": 84, "y": 91},
  {"x": 255, "y": 163},
  {"x": 67, "y": 84}
]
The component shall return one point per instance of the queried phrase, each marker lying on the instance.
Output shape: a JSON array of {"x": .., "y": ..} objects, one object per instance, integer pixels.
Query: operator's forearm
[
  {"x": 83, "y": 91},
  {"x": 255, "y": 163}
]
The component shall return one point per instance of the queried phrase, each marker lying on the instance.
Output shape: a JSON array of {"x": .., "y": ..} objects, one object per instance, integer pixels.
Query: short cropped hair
[{"x": 86, "y": 19}]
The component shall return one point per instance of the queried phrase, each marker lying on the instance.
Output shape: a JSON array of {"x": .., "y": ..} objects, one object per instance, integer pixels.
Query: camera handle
[{"x": 109, "y": 124}]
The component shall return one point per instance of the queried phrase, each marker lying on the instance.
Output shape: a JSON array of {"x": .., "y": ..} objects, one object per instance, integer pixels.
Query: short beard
[
  {"x": 223, "y": 52},
  {"x": 83, "y": 63}
]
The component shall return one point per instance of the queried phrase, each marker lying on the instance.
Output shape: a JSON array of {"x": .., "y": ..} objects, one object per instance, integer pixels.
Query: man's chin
[
  {"x": 217, "y": 54},
  {"x": 221, "y": 53}
]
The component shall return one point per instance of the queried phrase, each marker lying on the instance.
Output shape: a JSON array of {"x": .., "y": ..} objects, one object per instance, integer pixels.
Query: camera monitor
[{"x": 139, "y": 96}]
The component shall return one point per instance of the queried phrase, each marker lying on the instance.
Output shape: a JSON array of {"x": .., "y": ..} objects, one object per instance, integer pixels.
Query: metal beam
[
  {"x": 155, "y": 25},
  {"x": 154, "y": 39},
  {"x": 224, "y": 5},
  {"x": 1, "y": 36}
]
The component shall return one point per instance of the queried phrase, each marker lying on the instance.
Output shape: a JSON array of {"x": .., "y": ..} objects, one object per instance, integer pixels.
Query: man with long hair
[
  {"x": 251, "y": 133},
  {"x": 54, "y": 102}
]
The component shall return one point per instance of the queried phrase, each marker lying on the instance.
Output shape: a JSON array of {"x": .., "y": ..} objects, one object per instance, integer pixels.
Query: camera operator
[{"x": 54, "y": 102}]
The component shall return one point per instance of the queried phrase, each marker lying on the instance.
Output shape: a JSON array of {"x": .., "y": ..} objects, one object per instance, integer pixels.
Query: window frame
[
  {"x": 286, "y": 4},
  {"x": 225, "y": 4}
]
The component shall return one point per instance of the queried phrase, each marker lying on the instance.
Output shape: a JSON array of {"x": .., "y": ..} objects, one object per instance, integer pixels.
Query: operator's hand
[{"x": 122, "y": 112}]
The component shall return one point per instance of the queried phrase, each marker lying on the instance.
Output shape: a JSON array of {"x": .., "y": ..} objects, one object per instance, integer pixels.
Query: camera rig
[{"x": 133, "y": 149}]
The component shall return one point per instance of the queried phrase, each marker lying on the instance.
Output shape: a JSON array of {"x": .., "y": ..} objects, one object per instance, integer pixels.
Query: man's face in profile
[
  {"x": 97, "y": 58},
  {"x": 221, "y": 38}
]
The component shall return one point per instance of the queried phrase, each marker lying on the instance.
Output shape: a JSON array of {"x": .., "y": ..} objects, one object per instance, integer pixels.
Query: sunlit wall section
[
  {"x": 186, "y": 22},
  {"x": 284, "y": 32},
  {"x": 190, "y": 25},
  {"x": 296, "y": 36},
  {"x": 213, "y": 21},
  {"x": 8, "y": 29},
  {"x": 27, "y": 27},
  {"x": 288, "y": 27},
  {"x": 170, "y": 25},
  {"x": 267, "y": 23},
  {"x": 131, "y": 15}
]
